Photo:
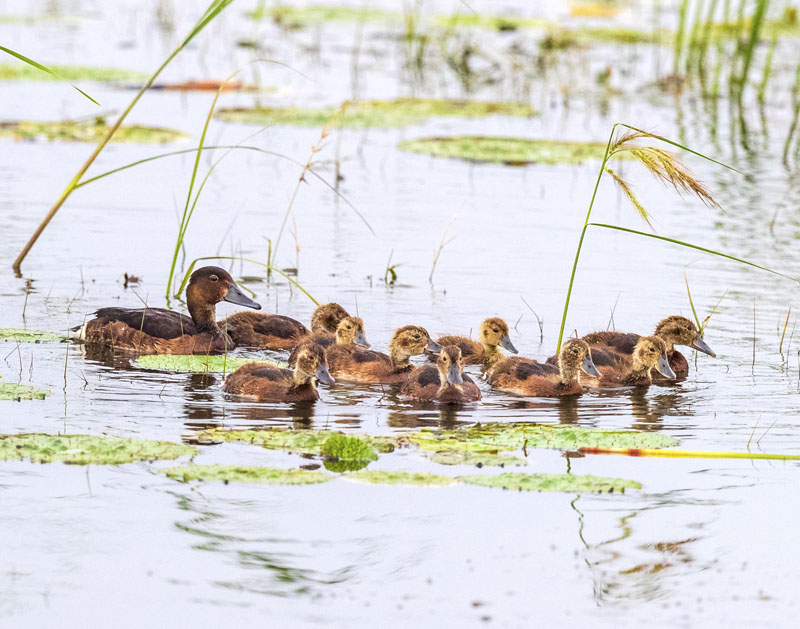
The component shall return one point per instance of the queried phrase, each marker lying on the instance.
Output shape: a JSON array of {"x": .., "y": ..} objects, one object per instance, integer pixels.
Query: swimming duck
[
  {"x": 354, "y": 364},
  {"x": 616, "y": 370},
  {"x": 493, "y": 333},
  {"x": 280, "y": 333},
  {"x": 267, "y": 383},
  {"x": 350, "y": 331},
  {"x": 524, "y": 376},
  {"x": 674, "y": 330},
  {"x": 445, "y": 383},
  {"x": 161, "y": 331}
]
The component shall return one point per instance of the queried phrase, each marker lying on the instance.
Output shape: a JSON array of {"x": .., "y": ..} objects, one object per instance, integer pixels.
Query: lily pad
[
  {"x": 477, "y": 458},
  {"x": 25, "y": 72},
  {"x": 246, "y": 474},
  {"x": 87, "y": 449},
  {"x": 346, "y": 448},
  {"x": 301, "y": 17},
  {"x": 82, "y": 131},
  {"x": 383, "y": 477},
  {"x": 375, "y": 113},
  {"x": 551, "y": 482},
  {"x": 193, "y": 363},
  {"x": 503, "y": 23},
  {"x": 19, "y": 392},
  {"x": 502, "y": 150},
  {"x": 300, "y": 441},
  {"x": 18, "y": 335}
]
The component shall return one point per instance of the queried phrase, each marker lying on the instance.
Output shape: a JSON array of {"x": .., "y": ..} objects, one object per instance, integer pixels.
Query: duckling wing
[
  {"x": 279, "y": 326},
  {"x": 156, "y": 322},
  {"x": 621, "y": 342},
  {"x": 425, "y": 376},
  {"x": 524, "y": 369}
]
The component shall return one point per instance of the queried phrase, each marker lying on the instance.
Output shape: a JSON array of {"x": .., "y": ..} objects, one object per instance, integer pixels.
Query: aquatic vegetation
[
  {"x": 19, "y": 392},
  {"x": 246, "y": 474},
  {"x": 501, "y": 23},
  {"x": 21, "y": 335},
  {"x": 300, "y": 17},
  {"x": 619, "y": 35},
  {"x": 417, "y": 479},
  {"x": 82, "y": 131},
  {"x": 87, "y": 449},
  {"x": 27, "y": 72},
  {"x": 364, "y": 114},
  {"x": 193, "y": 363},
  {"x": 479, "y": 459},
  {"x": 346, "y": 448},
  {"x": 502, "y": 150},
  {"x": 551, "y": 482}
]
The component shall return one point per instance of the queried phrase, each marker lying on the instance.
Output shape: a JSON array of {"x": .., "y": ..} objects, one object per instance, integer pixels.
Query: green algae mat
[
  {"x": 87, "y": 449},
  {"x": 375, "y": 113},
  {"x": 506, "y": 150},
  {"x": 25, "y": 72},
  {"x": 82, "y": 131},
  {"x": 19, "y": 392},
  {"x": 19, "y": 335},
  {"x": 414, "y": 479},
  {"x": 552, "y": 482},
  {"x": 299, "y": 441},
  {"x": 200, "y": 363},
  {"x": 246, "y": 474}
]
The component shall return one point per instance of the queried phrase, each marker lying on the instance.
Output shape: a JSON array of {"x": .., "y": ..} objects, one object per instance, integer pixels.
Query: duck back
[
  {"x": 355, "y": 364},
  {"x": 264, "y": 331},
  {"x": 525, "y": 376},
  {"x": 267, "y": 383}
]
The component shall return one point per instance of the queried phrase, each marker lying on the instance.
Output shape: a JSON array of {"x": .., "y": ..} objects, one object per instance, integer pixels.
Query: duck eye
[
  {"x": 416, "y": 336},
  {"x": 214, "y": 278}
]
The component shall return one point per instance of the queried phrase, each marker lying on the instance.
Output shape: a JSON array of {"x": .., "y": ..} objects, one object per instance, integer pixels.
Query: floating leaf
[
  {"x": 300, "y": 17},
  {"x": 82, "y": 131},
  {"x": 476, "y": 458},
  {"x": 503, "y": 23},
  {"x": 86, "y": 449},
  {"x": 19, "y": 335},
  {"x": 246, "y": 474},
  {"x": 383, "y": 477},
  {"x": 551, "y": 482},
  {"x": 19, "y": 392},
  {"x": 301, "y": 441},
  {"x": 194, "y": 363}
]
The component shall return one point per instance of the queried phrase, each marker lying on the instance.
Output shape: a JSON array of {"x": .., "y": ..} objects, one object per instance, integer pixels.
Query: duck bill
[
  {"x": 361, "y": 339},
  {"x": 433, "y": 347},
  {"x": 323, "y": 375},
  {"x": 236, "y": 296},
  {"x": 664, "y": 369},
  {"x": 700, "y": 345},
  {"x": 588, "y": 367},
  {"x": 506, "y": 344},
  {"x": 454, "y": 375}
]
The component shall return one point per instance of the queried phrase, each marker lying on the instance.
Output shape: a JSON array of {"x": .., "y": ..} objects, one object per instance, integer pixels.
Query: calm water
[{"x": 705, "y": 542}]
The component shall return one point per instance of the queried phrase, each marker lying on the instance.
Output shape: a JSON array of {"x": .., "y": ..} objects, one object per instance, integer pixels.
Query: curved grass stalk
[{"x": 213, "y": 10}]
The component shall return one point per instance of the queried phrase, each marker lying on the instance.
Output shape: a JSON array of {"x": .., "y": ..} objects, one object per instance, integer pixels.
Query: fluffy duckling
[
  {"x": 674, "y": 330},
  {"x": 350, "y": 331},
  {"x": 445, "y": 383},
  {"x": 524, "y": 376},
  {"x": 493, "y": 334},
  {"x": 266, "y": 383},
  {"x": 277, "y": 332},
  {"x": 160, "y": 331},
  {"x": 649, "y": 353},
  {"x": 354, "y": 364}
]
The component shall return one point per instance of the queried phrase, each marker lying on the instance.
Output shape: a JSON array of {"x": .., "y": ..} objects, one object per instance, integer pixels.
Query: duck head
[
  {"x": 411, "y": 340},
  {"x": 208, "y": 286},
  {"x": 494, "y": 333},
  {"x": 351, "y": 330},
  {"x": 677, "y": 330},
  {"x": 450, "y": 364},
  {"x": 311, "y": 365},
  {"x": 651, "y": 353},
  {"x": 576, "y": 356},
  {"x": 327, "y": 317}
]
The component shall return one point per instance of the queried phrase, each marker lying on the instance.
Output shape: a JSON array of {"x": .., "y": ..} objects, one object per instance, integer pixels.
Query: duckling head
[
  {"x": 450, "y": 364},
  {"x": 411, "y": 340},
  {"x": 311, "y": 365},
  {"x": 651, "y": 352},
  {"x": 210, "y": 285},
  {"x": 576, "y": 356},
  {"x": 494, "y": 332},
  {"x": 351, "y": 331},
  {"x": 327, "y": 317},
  {"x": 677, "y": 330}
]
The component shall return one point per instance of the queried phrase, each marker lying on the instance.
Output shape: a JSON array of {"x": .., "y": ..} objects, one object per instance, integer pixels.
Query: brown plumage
[
  {"x": 445, "y": 383},
  {"x": 354, "y": 364},
  {"x": 635, "y": 369},
  {"x": 350, "y": 331},
  {"x": 267, "y": 383},
  {"x": 160, "y": 331},
  {"x": 277, "y": 332},
  {"x": 524, "y": 376},
  {"x": 485, "y": 351}
]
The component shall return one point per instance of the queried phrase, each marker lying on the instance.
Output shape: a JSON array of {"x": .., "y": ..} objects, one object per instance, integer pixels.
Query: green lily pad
[
  {"x": 477, "y": 458},
  {"x": 346, "y": 448},
  {"x": 490, "y": 22},
  {"x": 201, "y": 363},
  {"x": 87, "y": 449},
  {"x": 300, "y": 441},
  {"x": 19, "y": 392},
  {"x": 25, "y": 72},
  {"x": 82, "y": 131},
  {"x": 18, "y": 335},
  {"x": 501, "y": 150},
  {"x": 383, "y": 477},
  {"x": 551, "y": 482},
  {"x": 246, "y": 474},
  {"x": 301, "y": 17},
  {"x": 375, "y": 113}
]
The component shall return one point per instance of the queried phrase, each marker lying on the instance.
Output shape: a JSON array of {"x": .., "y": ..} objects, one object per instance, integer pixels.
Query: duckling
[
  {"x": 674, "y": 330},
  {"x": 350, "y": 331},
  {"x": 160, "y": 331},
  {"x": 354, "y": 364},
  {"x": 445, "y": 383},
  {"x": 493, "y": 333},
  {"x": 616, "y": 370},
  {"x": 267, "y": 383},
  {"x": 524, "y": 376},
  {"x": 277, "y": 332}
]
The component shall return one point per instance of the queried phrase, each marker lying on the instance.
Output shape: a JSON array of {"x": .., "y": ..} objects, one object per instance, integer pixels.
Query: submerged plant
[{"x": 347, "y": 448}]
